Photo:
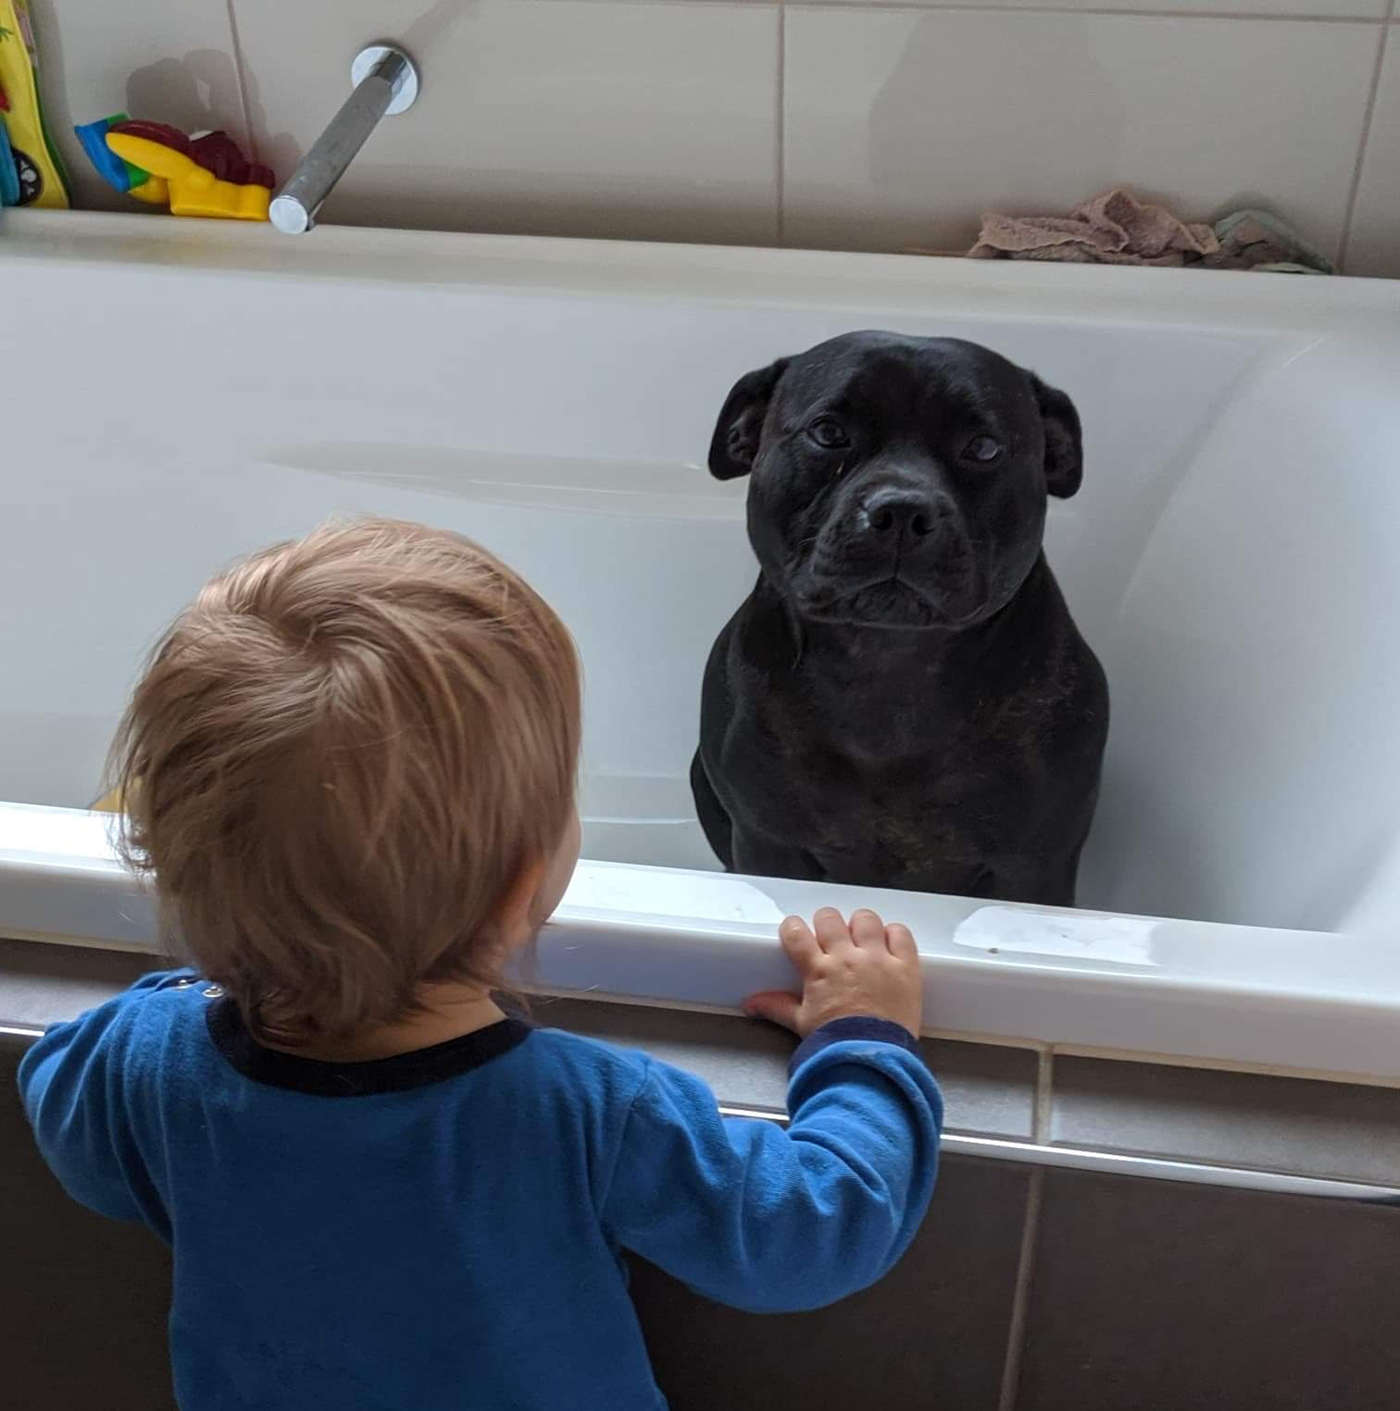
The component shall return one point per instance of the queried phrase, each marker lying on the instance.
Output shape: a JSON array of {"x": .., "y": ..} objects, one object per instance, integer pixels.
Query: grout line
[
  {"x": 1354, "y": 193},
  {"x": 779, "y": 176},
  {"x": 1044, "y": 1096},
  {"x": 240, "y": 69},
  {"x": 1021, "y": 1295},
  {"x": 962, "y": 7}
]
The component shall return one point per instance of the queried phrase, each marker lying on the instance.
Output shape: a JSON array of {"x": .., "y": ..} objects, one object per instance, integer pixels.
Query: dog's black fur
[{"x": 903, "y": 700}]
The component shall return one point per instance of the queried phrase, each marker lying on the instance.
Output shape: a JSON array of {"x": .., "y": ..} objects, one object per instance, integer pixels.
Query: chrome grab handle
[{"x": 385, "y": 83}]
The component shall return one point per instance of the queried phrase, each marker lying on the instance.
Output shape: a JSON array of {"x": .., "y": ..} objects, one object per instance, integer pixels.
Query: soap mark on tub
[
  {"x": 619, "y": 487},
  {"x": 1118, "y": 940}
]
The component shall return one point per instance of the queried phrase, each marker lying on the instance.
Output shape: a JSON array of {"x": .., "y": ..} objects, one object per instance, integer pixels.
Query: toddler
[{"x": 349, "y": 768}]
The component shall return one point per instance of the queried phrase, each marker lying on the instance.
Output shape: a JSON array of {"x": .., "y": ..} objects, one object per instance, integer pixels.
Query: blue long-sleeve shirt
[{"x": 443, "y": 1229}]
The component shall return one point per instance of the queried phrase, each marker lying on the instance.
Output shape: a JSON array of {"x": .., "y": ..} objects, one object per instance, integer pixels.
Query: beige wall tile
[
  {"x": 902, "y": 127},
  {"x": 158, "y": 59},
  {"x": 657, "y": 119},
  {"x": 579, "y": 117},
  {"x": 1374, "y": 247}
]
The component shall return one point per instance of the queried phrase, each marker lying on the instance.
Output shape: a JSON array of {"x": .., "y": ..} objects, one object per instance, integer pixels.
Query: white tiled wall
[
  {"x": 930, "y": 117},
  {"x": 1374, "y": 247},
  {"x": 856, "y": 125}
]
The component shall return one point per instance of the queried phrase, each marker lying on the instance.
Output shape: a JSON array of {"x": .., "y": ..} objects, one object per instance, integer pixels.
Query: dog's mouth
[
  {"x": 890, "y": 600},
  {"x": 892, "y": 585}
]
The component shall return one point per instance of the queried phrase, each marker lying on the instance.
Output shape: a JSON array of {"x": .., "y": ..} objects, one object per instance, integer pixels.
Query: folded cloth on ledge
[
  {"x": 1259, "y": 240},
  {"x": 1118, "y": 229}
]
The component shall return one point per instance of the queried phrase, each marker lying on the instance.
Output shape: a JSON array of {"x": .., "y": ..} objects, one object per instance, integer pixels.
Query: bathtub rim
[
  {"x": 61, "y": 882},
  {"x": 750, "y": 276}
]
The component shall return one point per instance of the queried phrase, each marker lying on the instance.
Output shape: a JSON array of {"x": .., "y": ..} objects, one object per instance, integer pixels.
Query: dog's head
[{"x": 897, "y": 481}]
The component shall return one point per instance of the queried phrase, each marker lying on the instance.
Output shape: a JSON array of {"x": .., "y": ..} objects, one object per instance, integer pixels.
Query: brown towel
[
  {"x": 1112, "y": 229},
  {"x": 1118, "y": 229}
]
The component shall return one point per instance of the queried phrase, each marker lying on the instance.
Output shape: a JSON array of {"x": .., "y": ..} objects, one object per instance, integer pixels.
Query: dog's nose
[{"x": 897, "y": 512}]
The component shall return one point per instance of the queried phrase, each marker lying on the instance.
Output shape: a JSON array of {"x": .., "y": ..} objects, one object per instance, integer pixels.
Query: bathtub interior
[{"x": 1229, "y": 555}]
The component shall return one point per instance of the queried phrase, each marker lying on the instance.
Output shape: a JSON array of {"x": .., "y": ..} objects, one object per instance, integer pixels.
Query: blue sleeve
[
  {"x": 71, "y": 1082},
  {"x": 776, "y": 1220}
]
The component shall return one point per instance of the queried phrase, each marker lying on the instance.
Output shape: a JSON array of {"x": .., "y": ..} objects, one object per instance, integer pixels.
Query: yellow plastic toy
[
  {"x": 180, "y": 182},
  {"x": 39, "y": 172},
  {"x": 110, "y": 802}
]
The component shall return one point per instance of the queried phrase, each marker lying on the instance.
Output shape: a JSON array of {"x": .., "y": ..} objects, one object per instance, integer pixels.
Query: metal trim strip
[{"x": 1158, "y": 1168}]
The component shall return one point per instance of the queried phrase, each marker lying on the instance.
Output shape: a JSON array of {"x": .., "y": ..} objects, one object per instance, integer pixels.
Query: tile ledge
[{"x": 1225, "y": 1065}]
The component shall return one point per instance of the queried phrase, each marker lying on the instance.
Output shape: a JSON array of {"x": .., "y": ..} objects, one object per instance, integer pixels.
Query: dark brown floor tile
[
  {"x": 84, "y": 1299},
  {"x": 1152, "y": 1296},
  {"x": 930, "y": 1337}
]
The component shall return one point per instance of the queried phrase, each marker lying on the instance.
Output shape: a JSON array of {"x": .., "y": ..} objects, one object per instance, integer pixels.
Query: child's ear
[{"x": 516, "y": 908}]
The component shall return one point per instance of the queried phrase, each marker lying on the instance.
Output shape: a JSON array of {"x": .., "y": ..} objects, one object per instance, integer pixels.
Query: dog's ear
[
  {"x": 1064, "y": 446},
  {"x": 734, "y": 446}
]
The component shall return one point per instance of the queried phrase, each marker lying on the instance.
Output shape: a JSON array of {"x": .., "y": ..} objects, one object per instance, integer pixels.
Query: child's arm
[
  {"x": 71, "y": 1084},
  {"x": 773, "y": 1220}
]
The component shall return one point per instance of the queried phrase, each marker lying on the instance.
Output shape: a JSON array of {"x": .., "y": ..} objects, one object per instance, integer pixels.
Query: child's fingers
[
  {"x": 799, "y": 942},
  {"x": 831, "y": 929},
  {"x": 866, "y": 928},
  {"x": 901, "y": 942},
  {"x": 776, "y": 1006}
]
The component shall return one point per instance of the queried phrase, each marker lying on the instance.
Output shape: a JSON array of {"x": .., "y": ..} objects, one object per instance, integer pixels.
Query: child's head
[{"x": 346, "y": 763}]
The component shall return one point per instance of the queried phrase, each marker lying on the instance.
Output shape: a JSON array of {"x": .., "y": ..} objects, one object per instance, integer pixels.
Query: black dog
[{"x": 903, "y": 700}]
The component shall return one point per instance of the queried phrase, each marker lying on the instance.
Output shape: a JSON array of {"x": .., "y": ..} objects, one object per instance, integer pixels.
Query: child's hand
[{"x": 866, "y": 968}]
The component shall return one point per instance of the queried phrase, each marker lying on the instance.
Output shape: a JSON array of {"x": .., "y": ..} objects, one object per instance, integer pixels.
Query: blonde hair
[{"x": 337, "y": 762}]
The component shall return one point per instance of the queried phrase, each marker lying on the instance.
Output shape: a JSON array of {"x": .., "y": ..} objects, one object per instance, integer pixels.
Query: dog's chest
[
  {"x": 888, "y": 814},
  {"x": 894, "y": 760}
]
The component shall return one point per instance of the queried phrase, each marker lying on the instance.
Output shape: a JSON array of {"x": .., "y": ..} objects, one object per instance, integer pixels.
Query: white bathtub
[{"x": 177, "y": 393}]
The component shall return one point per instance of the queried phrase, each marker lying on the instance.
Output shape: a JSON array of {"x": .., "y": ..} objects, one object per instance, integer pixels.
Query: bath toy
[
  {"x": 206, "y": 176},
  {"x": 110, "y": 802},
  {"x": 9, "y": 171},
  {"x": 119, "y": 175},
  {"x": 30, "y": 158},
  {"x": 194, "y": 176}
]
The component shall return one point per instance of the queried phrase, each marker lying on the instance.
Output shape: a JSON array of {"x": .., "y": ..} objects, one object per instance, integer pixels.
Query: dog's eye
[
  {"x": 827, "y": 433},
  {"x": 983, "y": 449}
]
